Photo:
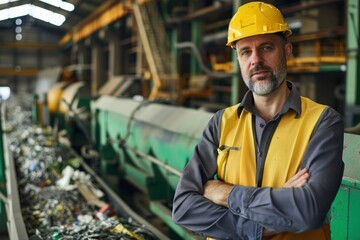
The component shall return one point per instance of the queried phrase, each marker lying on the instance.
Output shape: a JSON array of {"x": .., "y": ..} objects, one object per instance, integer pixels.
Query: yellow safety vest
[{"x": 237, "y": 158}]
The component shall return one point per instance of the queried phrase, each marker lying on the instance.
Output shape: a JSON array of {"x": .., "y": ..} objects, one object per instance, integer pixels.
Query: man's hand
[
  {"x": 299, "y": 180},
  {"x": 217, "y": 192}
]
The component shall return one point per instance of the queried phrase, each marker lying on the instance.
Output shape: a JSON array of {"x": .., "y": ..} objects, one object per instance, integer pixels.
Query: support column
[
  {"x": 98, "y": 76},
  {"x": 235, "y": 79},
  {"x": 84, "y": 60},
  {"x": 196, "y": 36},
  {"x": 114, "y": 54},
  {"x": 86, "y": 70},
  {"x": 352, "y": 74}
]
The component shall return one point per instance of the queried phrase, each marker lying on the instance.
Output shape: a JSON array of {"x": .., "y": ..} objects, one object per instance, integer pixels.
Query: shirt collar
[{"x": 293, "y": 102}]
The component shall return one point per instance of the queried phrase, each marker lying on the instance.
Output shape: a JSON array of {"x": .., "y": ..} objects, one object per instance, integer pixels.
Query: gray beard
[{"x": 263, "y": 88}]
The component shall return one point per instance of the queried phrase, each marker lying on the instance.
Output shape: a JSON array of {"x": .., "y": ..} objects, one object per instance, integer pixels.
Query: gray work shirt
[{"x": 253, "y": 208}]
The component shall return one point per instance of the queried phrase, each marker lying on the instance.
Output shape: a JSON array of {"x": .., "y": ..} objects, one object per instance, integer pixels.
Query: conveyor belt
[{"x": 135, "y": 227}]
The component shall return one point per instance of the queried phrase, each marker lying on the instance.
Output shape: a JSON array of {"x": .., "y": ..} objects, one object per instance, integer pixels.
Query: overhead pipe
[
  {"x": 203, "y": 12},
  {"x": 306, "y": 5},
  {"x": 208, "y": 71},
  {"x": 215, "y": 8}
]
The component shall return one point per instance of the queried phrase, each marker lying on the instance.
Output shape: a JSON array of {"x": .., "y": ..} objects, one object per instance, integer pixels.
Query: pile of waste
[{"x": 58, "y": 199}]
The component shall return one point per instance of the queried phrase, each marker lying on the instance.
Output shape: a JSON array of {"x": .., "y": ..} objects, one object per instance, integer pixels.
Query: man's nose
[{"x": 256, "y": 58}]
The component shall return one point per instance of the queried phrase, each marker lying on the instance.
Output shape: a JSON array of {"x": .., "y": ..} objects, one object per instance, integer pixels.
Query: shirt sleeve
[
  {"x": 196, "y": 213},
  {"x": 305, "y": 208}
]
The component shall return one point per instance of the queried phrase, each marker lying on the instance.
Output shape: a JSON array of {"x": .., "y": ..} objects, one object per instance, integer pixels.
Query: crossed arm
[{"x": 218, "y": 191}]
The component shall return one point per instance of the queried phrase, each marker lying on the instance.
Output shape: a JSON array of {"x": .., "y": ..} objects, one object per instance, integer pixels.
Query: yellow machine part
[{"x": 55, "y": 95}]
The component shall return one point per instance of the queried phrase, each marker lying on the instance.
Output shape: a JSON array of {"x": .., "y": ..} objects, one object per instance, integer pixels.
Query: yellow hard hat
[{"x": 256, "y": 18}]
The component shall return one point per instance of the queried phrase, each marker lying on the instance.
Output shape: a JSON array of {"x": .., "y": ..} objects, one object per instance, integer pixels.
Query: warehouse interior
[{"x": 130, "y": 85}]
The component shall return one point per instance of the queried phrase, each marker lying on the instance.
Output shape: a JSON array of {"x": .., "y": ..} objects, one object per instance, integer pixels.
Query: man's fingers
[
  {"x": 299, "y": 180},
  {"x": 297, "y": 176}
]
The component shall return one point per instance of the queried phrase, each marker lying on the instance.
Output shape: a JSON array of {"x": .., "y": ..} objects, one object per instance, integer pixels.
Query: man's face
[{"x": 262, "y": 61}]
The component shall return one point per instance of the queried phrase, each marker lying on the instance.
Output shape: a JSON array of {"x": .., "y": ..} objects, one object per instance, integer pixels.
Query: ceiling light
[
  {"x": 56, "y": 3},
  {"x": 7, "y": 1},
  {"x": 60, "y": 4},
  {"x": 18, "y": 37},
  {"x": 19, "y": 11},
  {"x": 40, "y": 13},
  {"x": 14, "y": 12},
  {"x": 4, "y": 14},
  {"x": 47, "y": 15},
  {"x": 57, "y": 19},
  {"x": 67, "y": 6},
  {"x": 18, "y": 21},
  {"x": 34, "y": 11}
]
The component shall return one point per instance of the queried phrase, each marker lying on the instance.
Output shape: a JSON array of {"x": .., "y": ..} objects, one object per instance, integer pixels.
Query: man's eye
[
  {"x": 244, "y": 53},
  {"x": 267, "y": 48}
]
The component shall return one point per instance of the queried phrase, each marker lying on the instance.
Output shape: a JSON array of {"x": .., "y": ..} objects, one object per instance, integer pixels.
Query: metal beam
[
  {"x": 29, "y": 45},
  {"x": 19, "y": 72},
  {"x": 201, "y": 13},
  {"x": 322, "y": 34},
  {"x": 106, "y": 14},
  {"x": 303, "y": 5}
]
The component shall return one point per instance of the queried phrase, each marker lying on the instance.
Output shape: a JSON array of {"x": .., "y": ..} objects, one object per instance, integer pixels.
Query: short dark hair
[{"x": 282, "y": 35}]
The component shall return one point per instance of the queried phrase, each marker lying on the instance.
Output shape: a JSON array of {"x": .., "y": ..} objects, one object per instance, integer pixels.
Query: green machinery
[
  {"x": 345, "y": 210},
  {"x": 149, "y": 144}
]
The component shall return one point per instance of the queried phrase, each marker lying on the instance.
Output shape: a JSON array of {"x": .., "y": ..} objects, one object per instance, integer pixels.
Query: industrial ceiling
[{"x": 81, "y": 10}]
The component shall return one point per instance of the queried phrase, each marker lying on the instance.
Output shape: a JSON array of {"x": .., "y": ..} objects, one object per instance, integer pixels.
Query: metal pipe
[
  {"x": 154, "y": 160},
  {"x": 4, "y": 198}
]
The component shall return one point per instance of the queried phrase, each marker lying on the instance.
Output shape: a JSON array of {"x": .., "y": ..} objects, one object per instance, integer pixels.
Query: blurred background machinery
[{"x": 129, "y": 85}]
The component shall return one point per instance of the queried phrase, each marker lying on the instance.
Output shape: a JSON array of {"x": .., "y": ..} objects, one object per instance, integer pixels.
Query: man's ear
[{"x": 288, "y": 49}]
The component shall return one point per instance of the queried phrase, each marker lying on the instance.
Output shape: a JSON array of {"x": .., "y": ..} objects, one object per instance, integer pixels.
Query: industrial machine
[
  {"x": 147, "y": 144},
  {"x": 345, "y": 209}
]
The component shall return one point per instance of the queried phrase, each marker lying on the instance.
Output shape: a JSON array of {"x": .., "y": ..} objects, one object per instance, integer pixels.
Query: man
[{"x": 269, "y": 167}]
